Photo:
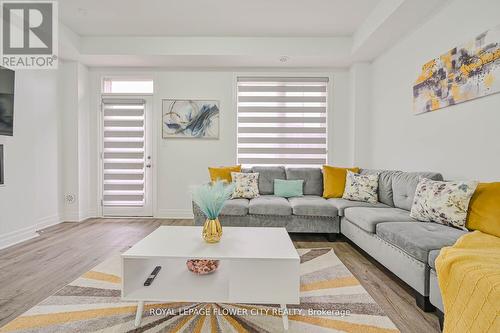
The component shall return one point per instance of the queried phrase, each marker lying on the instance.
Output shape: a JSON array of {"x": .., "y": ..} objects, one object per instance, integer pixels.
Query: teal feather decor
[{"x": 210, "y": 198}]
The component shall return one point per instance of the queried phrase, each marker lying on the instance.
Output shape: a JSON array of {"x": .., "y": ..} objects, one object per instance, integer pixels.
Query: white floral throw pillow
[
  {"x": 246, "y": 185},
  {"x": 361, "y": 187},
  {"x": 442, "y": 202}
]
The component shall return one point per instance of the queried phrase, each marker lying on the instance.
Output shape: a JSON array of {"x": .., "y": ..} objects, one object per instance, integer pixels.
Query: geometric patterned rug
[{"x": 331, "y": 300}]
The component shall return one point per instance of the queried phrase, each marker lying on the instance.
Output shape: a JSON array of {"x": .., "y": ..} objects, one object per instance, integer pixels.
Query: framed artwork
[
  {"x": 466, "y": 72},
  {"x": 190, "y": 118}
]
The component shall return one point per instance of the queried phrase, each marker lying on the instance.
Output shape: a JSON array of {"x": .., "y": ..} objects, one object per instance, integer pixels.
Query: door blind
[
  {"x": 123, "y": 152},
  {"x": 282, "y": 121}
]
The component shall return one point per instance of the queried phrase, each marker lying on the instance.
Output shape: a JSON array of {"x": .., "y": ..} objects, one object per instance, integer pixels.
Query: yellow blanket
[{"x": 469, "y": 279}]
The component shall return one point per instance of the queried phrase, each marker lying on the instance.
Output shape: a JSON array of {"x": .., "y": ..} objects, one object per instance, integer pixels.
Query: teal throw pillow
[{"x": 288, "y": 188}]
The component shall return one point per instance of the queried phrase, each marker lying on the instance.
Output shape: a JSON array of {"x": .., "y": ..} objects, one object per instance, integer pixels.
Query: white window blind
[
  {"x": 282, "y": 120},
  {"x": 123, "y": 152}
]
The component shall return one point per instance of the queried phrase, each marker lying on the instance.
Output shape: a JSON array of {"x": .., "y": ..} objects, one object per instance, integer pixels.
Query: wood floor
[{"x": 35, "y": 269}]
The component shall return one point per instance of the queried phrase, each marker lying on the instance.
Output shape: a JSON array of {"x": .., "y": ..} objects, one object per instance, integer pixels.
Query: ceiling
[
  {"x": 235, "y": 33},
  {"x": 223, "y": 18}
]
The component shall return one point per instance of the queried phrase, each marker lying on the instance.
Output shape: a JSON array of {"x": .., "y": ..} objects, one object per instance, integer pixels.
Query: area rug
[{"x": 331, "y": 300}]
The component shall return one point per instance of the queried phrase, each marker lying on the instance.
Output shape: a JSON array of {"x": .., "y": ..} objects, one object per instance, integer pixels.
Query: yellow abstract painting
[{"x": 465, "y": 72}]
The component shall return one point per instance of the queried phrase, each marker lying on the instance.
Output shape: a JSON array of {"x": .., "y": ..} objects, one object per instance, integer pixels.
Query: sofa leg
[
  {"x": 332, "y": 237},
  {"x": 424, "y": 303},
  {"x": 440, "y": 316}
]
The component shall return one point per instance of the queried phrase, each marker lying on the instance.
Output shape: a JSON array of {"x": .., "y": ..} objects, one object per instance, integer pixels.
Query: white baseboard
[
  {"x": 27, "y": 233},
  {"x": 175, "y": 213},
  {"x": 71, "y": 217},
  {"x": 48, "y": 222},
  {"x": 30, "y": 232},
  {"x": 76, "y": 217},
  {"x": 17, "y": 236},
  {"x": 91, "y": 214}
]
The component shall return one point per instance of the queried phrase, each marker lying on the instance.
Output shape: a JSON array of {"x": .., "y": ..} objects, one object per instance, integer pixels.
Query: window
[
  {"x": 282, "y": 121},
  {"x": 127, "y": 86}
]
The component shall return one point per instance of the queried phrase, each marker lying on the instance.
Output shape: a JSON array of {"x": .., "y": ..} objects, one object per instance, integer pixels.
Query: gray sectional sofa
[
  {"x": 384, "y": 230},
  {"x": 310, "y": 213}
]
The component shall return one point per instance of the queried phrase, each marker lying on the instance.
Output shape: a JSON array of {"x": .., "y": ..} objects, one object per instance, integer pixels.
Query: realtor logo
[{"x": 29, "y": 34}]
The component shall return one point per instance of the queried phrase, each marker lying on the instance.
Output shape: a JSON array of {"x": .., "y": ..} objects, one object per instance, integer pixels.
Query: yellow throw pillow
[
  {"x": 334, "y": 181},
  {"x": 484, "y": 209},
  {"x": 223, "y": 173}
]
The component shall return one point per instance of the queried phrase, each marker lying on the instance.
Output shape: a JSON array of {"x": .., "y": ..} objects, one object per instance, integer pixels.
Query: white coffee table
[{"x": 257, "y": 265}]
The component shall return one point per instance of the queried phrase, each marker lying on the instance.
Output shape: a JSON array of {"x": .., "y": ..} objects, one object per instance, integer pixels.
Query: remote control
[{"x": 152, "y": 276}]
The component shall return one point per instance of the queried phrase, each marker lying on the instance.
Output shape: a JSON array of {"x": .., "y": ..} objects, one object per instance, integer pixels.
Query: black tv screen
[{"x": 7, "y": 79}]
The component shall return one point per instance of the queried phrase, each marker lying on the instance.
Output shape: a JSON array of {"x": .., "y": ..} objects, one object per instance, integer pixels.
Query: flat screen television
[
  {"x": 1, "y": 166},
  {"x": 7, "y": 79}
]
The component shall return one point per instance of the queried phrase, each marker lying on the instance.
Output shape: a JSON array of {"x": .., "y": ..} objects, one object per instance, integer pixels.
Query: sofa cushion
[
  {"x": 367, "y": 218},
  {"x": 404, "y": 185},
  {"x": 246, "y": 185},
  {"x": 334, "y": 179},
  {"x": 267, "y": 175},
  {"x": 288, "y": 188},
  {"x": 312, "y": 177},
  {"x": 432, "y": 258},
  {"x": 385, "y": 194},
  {"x": 443, "y": 202},
  {"x": 419, "y": 238},
  {"x": 361, "y": 187},
  {"x": 312, "y": 205},
  {"x": 223, "y": 173},
  {"x": 484, "y": 210},
  {"x": 342, "y": 204},
  {"x": 269, "y": 205},
  {"x": 235, "y": 207}
]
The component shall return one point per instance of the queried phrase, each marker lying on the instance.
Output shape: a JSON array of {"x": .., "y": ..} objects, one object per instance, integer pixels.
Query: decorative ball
[{"x": 202, "y": 266}]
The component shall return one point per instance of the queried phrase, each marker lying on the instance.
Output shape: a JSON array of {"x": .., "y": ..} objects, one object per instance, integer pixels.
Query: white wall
[
  {"x": 74, "y": 88},
  {"x": 461, "y": 141},
  {"x": 83, "y": 109},
  {"x": 359, "y": 112},
  {"x": 30, "y": 198},
  {"x": 182, "y": 163},
  {"x": 340, "y": 148},
  {"x": 68, "y": 81}
]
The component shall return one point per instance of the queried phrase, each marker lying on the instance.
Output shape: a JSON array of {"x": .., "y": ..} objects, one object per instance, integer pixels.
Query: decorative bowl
[{"x": 202, "y": 266}]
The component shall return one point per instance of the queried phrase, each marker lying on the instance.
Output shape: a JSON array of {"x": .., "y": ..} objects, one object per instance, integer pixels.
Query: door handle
[{"x": 148, "y": 165}]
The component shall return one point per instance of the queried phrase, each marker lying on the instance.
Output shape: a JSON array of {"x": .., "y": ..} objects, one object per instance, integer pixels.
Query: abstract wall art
[
  {"x": 188, "y": 118},
  {"x": 464, "y": 73}
]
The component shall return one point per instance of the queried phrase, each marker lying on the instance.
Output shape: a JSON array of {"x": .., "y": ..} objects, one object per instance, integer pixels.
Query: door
[{"x": 126, "y": 156}]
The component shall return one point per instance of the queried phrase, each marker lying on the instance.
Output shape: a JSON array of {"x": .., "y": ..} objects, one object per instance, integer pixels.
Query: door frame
[{"x": 150, "y": 133}]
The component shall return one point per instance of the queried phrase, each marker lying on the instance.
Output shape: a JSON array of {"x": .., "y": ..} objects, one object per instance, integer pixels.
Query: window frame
[{"x": 126, "y": 78}]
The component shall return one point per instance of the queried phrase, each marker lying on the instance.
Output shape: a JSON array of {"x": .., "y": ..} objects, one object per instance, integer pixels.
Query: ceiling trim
[{"x": 390, "y": 21}]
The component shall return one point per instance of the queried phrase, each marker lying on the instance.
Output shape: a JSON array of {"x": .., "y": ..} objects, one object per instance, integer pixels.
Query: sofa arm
[
  {"x": 199, "y": 217},
  {"x": 196, "y": 210}
]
